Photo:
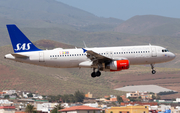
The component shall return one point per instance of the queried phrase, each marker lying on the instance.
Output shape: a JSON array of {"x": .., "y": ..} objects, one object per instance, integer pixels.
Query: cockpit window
[{"x": 165, "y": 50}]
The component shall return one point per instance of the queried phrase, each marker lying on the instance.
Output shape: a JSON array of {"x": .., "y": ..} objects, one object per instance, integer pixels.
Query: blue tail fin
[{"x": 19, "y": 41}]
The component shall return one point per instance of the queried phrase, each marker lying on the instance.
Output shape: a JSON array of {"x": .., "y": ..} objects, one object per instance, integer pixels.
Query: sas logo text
[{"x": 23, "y": 46}]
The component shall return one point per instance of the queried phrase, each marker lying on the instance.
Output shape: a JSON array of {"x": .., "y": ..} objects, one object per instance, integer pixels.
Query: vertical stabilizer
[{"x": 19, "y": 41}]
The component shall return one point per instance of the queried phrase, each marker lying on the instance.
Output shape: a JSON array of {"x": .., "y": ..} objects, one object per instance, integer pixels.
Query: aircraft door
[
  {"x": 153, "y": 52},
  {"x": 41, "y": 57},
  {"x": 109, "y": 54}
]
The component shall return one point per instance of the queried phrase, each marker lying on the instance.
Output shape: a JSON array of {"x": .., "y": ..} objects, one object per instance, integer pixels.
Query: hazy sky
[{"x": 125, "y": 9}]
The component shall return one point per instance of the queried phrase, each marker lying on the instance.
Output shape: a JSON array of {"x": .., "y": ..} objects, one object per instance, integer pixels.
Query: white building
[
  {"x": 95, "y": 105},
  {"x": 5, "y": 102},
  {"x": 37, "y": 96},
  {"x": 164, "y": 107},
  {"x": 25, "y": 94},
  {"x": 9, "y": 92},
  {"x": 6, "y": 106},
  {"x": 7, "y": 109},
  {"x": 177, "y": 99},
  {"x": 46, "y": 107}
]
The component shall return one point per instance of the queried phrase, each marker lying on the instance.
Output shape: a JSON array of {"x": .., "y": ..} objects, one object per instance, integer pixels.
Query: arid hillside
[{"x": 150, "y": 25}]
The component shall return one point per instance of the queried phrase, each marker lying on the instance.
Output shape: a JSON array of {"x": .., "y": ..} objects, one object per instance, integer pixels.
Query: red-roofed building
[
  {"x": 2, "y": 93},
  {"x": 124, "y": 98},
  {"x": 139, "y": 103},
  {"x": 80, "y": 109},
  {"x": 7, "y": 109},
  {"x": 113, "y": 99},
  {"x": 20, "y": 112}
]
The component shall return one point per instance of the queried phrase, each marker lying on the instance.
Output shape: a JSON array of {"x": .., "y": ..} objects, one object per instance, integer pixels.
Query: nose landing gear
[{"x": 152, "y": 67}]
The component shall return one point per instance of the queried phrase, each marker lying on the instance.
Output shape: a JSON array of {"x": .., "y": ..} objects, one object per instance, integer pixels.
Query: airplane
[{"x": 108, "y": 59}]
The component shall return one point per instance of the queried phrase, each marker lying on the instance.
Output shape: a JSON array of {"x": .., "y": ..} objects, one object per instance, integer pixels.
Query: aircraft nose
[{"x": 172, "y": 55}]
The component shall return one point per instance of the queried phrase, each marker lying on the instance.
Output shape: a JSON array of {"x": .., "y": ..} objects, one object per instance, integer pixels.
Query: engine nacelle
[{"x": 118, "y": 65}]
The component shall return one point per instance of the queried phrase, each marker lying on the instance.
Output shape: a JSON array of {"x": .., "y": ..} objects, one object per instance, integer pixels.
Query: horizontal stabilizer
[{"x": 19, "y": 55}]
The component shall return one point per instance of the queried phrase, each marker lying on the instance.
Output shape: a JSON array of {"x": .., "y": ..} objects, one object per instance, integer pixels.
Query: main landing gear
[
  {"x": 152, "y": 67},
  {"x": 95, "y": 74}
]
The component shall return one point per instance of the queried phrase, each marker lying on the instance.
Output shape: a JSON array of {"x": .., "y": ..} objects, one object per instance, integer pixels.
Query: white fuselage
[{"x": 71, "y": 58}]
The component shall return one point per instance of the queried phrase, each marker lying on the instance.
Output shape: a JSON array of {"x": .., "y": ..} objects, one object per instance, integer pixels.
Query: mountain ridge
[
  {"x": 50, "y": 11},
  {"x": 143, "y": 23}
]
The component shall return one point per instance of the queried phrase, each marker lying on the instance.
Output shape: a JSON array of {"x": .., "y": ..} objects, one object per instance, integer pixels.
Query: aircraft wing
[{"x": 95, "y": 57}]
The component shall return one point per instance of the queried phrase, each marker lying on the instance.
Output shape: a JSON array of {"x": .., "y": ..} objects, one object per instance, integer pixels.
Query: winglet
[
  {"x": 84, "y": 50},
  {"x": 84, "y": 44}
]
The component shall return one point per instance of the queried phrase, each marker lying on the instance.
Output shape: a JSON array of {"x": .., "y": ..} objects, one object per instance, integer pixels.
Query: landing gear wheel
[
  {"x": 153, "y": 71},
  {"x": 152, "y": 67},
  {"x": 98, "y": 73},
  {"x": 93, "y": 74}
]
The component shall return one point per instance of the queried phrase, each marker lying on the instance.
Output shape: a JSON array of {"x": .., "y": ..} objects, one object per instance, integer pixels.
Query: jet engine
[{"x": 118, "y": 65}]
